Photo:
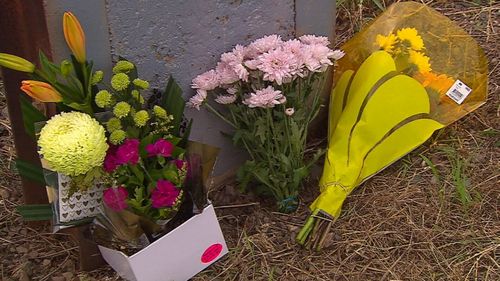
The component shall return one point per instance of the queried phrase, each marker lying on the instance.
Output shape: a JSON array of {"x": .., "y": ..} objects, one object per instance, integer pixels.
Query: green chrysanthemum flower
[
  {"x": 143, "y": 84},
  {"x": 141, "y": 117},
  {"x": 96, "y": 77},
  {"x": 123, "y": 66},
  {"x": 117, "y": 137},
  {"x": 160, "y": 112},
  {"x": 73, "y": 143},
  {"x": 136, "y": 95},
  {"x": 103, "y": 99},
  {"x": 121, "y": 109},
  {"x": 120, "y": 81},
  {"x": 113, "y": 124}
]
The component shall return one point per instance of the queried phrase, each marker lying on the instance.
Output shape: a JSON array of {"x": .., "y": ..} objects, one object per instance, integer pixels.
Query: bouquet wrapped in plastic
[{"x": 409, "y": 73}]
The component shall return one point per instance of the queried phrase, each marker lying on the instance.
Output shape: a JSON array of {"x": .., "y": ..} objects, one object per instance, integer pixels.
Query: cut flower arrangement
[{"x": 271, "y": 90}]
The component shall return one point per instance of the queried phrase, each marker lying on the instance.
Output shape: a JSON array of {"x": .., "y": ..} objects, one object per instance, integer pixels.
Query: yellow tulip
[
  {"x": 16, "y": 63},
  {"x": 40, "y": 91},
  {"x": 74, "y": 35}
]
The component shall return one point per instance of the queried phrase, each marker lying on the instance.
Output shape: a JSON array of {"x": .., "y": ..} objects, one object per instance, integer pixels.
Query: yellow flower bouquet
[{"x": 401, "y": 79}]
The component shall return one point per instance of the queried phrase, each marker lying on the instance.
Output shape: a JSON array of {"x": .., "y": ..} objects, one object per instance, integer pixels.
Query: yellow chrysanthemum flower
[
  {"x": 73, "y": 143},
  {"x": 386, "y": 43},
  {"x": 143, "y": 84},
  {"x": 117, "y": 137},
  {"x": 121, "y": 109},
  {"x": 120, "y": 81},
  {"x": 136, "y": 95},
  {"x": 97, "y": 77},
  {"x": 103, "y": 99},
  {"x": 113, "y": 124},
  {"x": 411, "y": 37},
  {"x": 141, "y": 117},
  {"x": 123, "y": 66},
  {"x": 160, "y": 112},
  {"x": 420, "y": 60}
]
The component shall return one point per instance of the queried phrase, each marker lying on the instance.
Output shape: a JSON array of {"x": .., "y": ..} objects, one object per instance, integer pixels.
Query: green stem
[
  {"x": 306, "y": 229},
  {"x": 216, "y": 112}
]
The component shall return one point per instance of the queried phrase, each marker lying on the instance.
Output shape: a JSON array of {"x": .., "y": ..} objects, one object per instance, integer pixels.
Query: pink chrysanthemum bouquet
[{"x": 271, "y": 89}]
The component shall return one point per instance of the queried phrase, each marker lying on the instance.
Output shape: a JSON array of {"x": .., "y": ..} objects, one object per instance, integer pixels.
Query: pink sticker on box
[{"x": 211, "y": 253}]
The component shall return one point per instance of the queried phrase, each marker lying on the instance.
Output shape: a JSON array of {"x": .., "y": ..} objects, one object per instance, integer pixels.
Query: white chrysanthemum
[{"x": 73, "y": 143}]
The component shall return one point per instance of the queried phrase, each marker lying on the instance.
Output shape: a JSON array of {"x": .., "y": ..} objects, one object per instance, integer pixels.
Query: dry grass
[{"x": 407, "y": 223}]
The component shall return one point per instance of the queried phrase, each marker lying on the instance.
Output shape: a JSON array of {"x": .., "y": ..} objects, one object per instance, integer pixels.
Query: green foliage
[
  {"x": 459, "y": 176},
  {"x": 31, "y": 115},
  {"x": 36, "y": 212}
]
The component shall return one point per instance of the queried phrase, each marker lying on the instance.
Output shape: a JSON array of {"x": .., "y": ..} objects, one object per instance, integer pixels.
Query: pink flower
[
  {"x": 227, "y": 74},
  {"x": 206, "y": 81},
  {"x": 265, "y": 98},
  {"x": 278, "y": 66},
  {"x": 225, "y": 99},
  {"x": 179, "y": 163},
  {"x": 128, "y": 152},
  {"x": 314, "y": 40},
  {"x": 110, "y": 161},
  {"x": 164, "y": 195},
  {"x": 161, "y": 148},
  {"x": 263, "y": 45},
  {"x": 115, "y": 198},
  {"x": 232, "y": 90},
  {"x": 234, "y": 59},
  {"x": 317, "y": 57},
  {"x": 197, "y": 100},
  {"x": 289, "y": 111}
]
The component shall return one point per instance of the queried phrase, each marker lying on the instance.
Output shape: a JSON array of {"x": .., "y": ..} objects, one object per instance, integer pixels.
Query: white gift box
[{"x": 178, "y": 255}]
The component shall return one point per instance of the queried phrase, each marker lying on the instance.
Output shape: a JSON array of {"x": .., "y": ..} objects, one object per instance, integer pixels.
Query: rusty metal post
[{"x": 23, "y": 32}]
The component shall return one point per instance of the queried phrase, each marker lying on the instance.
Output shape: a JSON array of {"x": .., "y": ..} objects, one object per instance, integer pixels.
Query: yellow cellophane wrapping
[{"x": 378, "y": 114}]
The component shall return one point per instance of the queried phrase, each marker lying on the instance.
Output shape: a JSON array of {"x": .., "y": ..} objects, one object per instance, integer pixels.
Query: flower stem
[{"x": 216, "y": 112}]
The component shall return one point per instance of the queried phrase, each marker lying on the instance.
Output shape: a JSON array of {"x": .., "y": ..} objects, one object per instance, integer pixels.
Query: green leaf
[
  {"x": 173, "y": 102},
  {"x": 30, "y": 171},
  {"x": 48, "y": 68},
  {"x": 31, "y": 115},
  {"x": 35, "y": 212}
]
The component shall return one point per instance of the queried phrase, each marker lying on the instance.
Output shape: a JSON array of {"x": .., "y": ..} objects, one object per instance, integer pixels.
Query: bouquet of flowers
[
  {"x": 271, "y": 89},
  {"x": 395, "y": 88},
  {"x": 145, "y": 167}
]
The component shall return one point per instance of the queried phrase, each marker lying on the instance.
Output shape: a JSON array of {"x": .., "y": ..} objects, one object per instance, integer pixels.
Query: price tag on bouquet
[{"x": 459, "y": 92}]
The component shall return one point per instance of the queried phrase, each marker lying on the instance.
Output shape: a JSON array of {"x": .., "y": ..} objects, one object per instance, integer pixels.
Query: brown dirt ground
[{"x": 406, "y": 223}]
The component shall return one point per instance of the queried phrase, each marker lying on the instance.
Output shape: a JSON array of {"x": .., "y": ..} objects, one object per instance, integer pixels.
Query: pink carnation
[
  {"x": 161, "y": 148},
  {"x": 197, "y": 100},
  {"x": 265, "y": 98},
  {"x": 164, "y": 195},
  {"x": 206, "y": 81},
  {"x": 128, "y": 152},
  {"x": 115, "y": 198},
  {"x": 110, "y": 161},
  {"x": 314, "y": 40}
]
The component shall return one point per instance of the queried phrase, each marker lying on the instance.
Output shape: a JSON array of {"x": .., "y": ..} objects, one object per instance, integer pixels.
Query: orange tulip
[
  {"x": 74, "y": 35},
  {"x": 40, "y": 91}
]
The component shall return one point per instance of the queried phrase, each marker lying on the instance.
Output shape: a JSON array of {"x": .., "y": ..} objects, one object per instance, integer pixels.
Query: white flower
[
  {"x": 197, "y": 100},
  {"x": 289, "y": 111},
  {"x": 225, "y": 99}
]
